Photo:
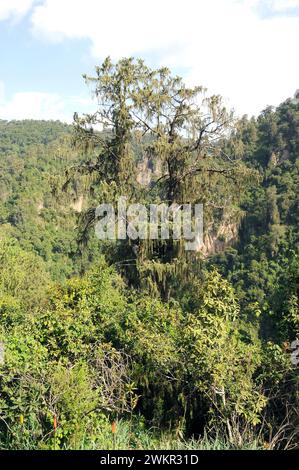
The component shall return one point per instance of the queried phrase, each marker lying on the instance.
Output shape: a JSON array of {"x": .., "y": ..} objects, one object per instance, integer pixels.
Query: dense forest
[{"x": 141, "y": 344}]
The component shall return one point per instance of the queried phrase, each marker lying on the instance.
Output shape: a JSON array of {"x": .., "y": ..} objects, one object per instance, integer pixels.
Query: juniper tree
[{"x": 180, "y": 129}]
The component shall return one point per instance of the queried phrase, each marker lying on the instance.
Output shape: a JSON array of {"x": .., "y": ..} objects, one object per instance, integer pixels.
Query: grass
[{"x": 131, "y": 437}]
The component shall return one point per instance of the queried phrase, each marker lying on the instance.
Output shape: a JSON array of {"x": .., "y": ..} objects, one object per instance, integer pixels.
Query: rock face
[
  {"x": 40, "y": 207},
  {"x": 146, "y": 171},
  {"x": 214, "y": 241},
  {"x": 218, "y": 241},
  {"x": 77, "y": 204}
]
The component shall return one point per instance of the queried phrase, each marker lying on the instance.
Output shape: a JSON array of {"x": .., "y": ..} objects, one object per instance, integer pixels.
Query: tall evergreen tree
[{"x": 179, "y": 128}]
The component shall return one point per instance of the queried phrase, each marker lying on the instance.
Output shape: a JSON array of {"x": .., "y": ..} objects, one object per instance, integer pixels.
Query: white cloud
[
  {"x": 14, "y": 8},
  {"x": 32, "y": 105},
  {"x": 223, "y": 45},
  {"x": 37, "y": 105},
  {"x": 282, "y": 5}
]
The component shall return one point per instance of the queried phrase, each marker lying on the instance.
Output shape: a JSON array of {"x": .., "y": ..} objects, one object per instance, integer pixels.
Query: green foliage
[
  {"x": 224, "y": 353},
  {"x": 269, "y": 233},
  {"x": 23, "y": 278},
  {"x": 42, "y": 218},
  {"x": 152, "y": 338}
]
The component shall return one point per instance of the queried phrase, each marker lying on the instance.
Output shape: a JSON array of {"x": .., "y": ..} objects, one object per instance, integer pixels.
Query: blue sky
[{"x": 246, "y": 50}]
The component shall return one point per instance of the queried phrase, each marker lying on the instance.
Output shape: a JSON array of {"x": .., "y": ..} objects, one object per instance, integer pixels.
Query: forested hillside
[
  {"x": 34, "y": 158},
  {"x": 179, "y": 349}
]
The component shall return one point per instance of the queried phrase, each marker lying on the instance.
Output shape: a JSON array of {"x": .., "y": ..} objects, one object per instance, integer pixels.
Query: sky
[{"x": 245, "y": 50}]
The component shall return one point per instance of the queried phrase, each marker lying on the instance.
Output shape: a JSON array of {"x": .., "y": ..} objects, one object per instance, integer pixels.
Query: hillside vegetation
[{"x": 182, "y": 350}]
